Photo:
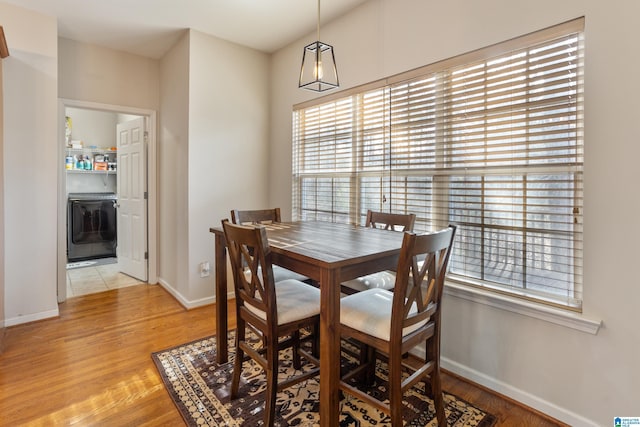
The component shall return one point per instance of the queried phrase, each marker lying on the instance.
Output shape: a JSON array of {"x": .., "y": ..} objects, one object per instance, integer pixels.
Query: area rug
[{"x": 199, "y": 388}]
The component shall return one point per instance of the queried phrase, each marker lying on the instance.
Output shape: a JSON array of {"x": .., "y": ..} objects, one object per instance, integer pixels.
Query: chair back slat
[
  {"x": 257, "y": 216},
  {"x": 420, "y": 278},
  {"x": 390, "y": 221},
  {"x": 250, "y": 258}
]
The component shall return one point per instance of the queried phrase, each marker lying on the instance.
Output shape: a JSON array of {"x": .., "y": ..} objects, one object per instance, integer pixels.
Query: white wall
[
  {"x": 580, "y": 378},
  {"x": 219, "y": 162},
  {"x": 97, "y": 74},
  {"x": 172, "y": 179},
  {"x": 228, "y": 142},
  {"x": 29, "y": 166}
]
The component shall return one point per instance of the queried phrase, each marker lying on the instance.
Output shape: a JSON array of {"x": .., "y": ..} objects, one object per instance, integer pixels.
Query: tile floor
[{"x": 97, "y": 278}]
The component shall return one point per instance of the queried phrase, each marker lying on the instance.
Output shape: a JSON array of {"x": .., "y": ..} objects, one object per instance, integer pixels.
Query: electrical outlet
[{"x": 205, "y": 269}]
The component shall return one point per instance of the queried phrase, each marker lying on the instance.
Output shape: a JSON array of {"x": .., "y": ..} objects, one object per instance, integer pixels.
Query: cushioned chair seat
[
  {"x": 280, "y": 274},
  {"x": 295, "y": 301},
  {"x": 369, "y": 311},
  {"x": 380, "y": 280}
]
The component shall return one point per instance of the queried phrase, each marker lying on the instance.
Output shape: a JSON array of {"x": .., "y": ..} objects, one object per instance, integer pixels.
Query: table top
[{"x": 329, "y": 244}]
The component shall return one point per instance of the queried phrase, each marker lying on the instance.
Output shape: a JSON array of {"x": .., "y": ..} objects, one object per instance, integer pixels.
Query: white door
[{"x": 132, "y": 201}]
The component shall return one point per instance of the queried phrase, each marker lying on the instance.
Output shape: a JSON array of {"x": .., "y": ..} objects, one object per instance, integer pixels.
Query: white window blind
[{"x": 491, "y": 141}]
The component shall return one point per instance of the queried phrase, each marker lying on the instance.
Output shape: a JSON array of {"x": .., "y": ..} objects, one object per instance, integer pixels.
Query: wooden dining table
[{"x": 328, "y": 253}]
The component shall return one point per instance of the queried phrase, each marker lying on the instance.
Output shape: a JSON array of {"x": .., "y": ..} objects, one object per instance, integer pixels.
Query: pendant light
[{"x": 318, "y": 71}]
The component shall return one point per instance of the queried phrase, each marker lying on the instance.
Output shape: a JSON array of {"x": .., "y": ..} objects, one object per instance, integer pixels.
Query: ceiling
[{"x": 151, "y": 27}]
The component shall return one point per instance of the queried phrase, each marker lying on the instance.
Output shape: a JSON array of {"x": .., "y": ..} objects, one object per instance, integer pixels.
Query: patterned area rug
[{"x": 200, "y": 389}]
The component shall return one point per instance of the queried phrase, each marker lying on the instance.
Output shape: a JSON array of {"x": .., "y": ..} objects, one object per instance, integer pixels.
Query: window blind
[{"x": 491, "y": 141}]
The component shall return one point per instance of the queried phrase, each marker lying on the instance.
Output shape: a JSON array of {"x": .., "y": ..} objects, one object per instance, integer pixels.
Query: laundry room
[{"x": 91, "y": 171}]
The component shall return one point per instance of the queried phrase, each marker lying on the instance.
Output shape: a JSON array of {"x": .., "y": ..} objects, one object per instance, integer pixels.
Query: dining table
[{"x": 329, "y": 254}]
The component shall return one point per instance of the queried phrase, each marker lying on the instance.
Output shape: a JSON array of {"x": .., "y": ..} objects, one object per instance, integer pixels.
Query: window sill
[{"x": 526, "y": 308}]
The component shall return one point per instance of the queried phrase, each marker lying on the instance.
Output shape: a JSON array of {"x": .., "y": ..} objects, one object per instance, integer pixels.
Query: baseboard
[
  {"x": 516, "y": 394},
  {"x": 182, "y": 300},
  {"x": 31, "y": 318}
]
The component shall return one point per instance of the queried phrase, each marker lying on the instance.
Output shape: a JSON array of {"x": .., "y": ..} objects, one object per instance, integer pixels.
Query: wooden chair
[
  {"x": 382, "y": 279},
  {"x": 395, "y": 322},
  {"x": 266, "y": 216},
  {"x": 273, "y": 312}
]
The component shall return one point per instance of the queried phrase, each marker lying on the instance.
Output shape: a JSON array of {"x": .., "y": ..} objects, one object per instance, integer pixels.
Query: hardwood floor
[{"x": 92, "y": 365}]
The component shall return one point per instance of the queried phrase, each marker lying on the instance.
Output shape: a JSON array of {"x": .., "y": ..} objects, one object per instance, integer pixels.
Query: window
[{"x": 491, "y": 141}]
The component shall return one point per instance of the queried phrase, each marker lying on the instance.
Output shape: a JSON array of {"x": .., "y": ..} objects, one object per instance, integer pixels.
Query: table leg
[
  {"x": 221, "y": 299},
  {"x": 329, "y": 348}
]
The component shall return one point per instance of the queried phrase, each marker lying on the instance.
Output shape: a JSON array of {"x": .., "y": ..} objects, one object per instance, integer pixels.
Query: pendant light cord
[{"x": 318, "y": 21}]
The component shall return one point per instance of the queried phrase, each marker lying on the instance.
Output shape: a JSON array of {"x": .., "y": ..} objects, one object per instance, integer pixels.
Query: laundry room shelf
[{"x": 107, "y": 157}]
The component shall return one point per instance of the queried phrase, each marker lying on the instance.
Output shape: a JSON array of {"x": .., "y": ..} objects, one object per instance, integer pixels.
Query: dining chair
[
  {"x": 382, "y": 279},
  {"x": 267, "y": 216},
  {"x": 277, "y": 313},
  {"x": 392, "y": 323}
]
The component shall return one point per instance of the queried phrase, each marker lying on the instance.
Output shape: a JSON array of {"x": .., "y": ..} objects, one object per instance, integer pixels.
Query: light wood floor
[{"x": 92, "y": 365}]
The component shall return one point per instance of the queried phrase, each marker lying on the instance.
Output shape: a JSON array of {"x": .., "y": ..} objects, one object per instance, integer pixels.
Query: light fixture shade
[{"x": 318, "y": 71}]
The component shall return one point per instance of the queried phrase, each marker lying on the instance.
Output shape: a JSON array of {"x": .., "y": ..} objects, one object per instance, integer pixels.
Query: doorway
[{"x": 124, "y": 113}]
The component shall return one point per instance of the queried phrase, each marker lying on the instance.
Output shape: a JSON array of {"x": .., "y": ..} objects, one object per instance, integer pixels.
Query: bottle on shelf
[
  {"x": 88, "y": 164},
  {"x": 91, "y": 159}
]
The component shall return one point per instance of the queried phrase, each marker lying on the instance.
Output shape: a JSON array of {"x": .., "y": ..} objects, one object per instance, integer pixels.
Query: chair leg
[
  {"x": 371, "y": 371},
  {"x": 237, "y": 363},
  {"x": 429, "y": 355},
  {"x": 395, "y": 388},
  {"x": 272, "y": 385},
  {"x": 432, "y": 353},
  {"x": 315, "y": 343},
  {"x": 438, "y": 398},
  {"x": 296, "y": 346},
  {"x": 368, "y": 357}
]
